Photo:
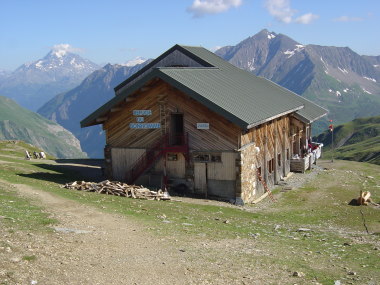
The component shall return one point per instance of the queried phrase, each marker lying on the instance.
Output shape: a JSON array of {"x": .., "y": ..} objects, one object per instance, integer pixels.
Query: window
[
  {"x": 287, "y": 154},
  {"x": 207, "y": 157},
  {"x": 279, "y": 159},
  {"x": 201, "y": 158},
  {"x": 271, "y": 165},
  {"x": 172, "y": 157},
  {"x": 216, "y": 158}
]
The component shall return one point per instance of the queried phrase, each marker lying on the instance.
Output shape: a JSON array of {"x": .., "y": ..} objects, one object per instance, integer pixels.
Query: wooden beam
[
  {"x": 101, "y": 119},
  {"x": 129, "y": 99},
  {"x": 116, "y": 109}
]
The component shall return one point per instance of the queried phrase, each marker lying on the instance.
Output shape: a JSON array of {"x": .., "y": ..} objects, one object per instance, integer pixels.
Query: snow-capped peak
[{"x": 136, "y": 61}]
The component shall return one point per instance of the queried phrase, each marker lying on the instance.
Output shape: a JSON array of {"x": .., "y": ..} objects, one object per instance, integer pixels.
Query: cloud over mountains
[{"x": 200, "y": 8}]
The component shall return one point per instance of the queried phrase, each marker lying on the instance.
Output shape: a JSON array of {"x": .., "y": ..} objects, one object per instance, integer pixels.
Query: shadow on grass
[
  {"x": 66, "y": 173},
  {"x": 84, "y": 161}
]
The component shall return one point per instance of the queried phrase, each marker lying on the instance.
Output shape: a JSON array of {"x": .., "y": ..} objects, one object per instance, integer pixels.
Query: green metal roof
[{"x": 237, "y": 95}]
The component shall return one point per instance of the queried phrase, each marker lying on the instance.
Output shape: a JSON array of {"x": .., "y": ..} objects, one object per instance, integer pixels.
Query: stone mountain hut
[{"x": 193, "y": 122}]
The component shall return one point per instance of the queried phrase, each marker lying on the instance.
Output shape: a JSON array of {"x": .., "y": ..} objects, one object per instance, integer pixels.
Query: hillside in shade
[{"x": 17, "y": 123}]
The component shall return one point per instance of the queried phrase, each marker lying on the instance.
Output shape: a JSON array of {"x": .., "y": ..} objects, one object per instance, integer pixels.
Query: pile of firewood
[{"x": 118, "y": 189}]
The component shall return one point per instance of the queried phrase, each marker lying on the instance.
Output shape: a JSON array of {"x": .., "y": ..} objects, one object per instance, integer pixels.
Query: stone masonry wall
[{"x": 248, "y": 175}]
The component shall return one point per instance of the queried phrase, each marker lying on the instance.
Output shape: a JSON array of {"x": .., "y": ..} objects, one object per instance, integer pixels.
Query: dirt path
[{"x": 91, "y": 247}]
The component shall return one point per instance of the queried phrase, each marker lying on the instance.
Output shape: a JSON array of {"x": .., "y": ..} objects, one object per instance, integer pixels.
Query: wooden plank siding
[
  {"x": 222, "y": 135},
  {"x": 118, "y": 133},
  {"x": 222, "y": 138},
  {"x": 122, "y": 160}
]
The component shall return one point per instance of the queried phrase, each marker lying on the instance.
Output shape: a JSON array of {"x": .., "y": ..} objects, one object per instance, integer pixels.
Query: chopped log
[{"x": 118, "y": 189}]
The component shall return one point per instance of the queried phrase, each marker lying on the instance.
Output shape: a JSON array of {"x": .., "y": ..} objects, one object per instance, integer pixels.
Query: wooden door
[
  {"x": 200, "y": 177},
  {"x": 176, "y": 129}
]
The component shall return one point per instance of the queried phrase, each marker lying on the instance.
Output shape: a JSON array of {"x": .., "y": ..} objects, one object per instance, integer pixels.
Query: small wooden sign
[{"x": 203, "y": 126}]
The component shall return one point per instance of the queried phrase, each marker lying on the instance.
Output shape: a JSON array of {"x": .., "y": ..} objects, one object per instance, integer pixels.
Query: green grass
[
  {"x": 321, "y": 206},
  {"x": 16, "y": 149},
  {"x": 19, "y": 214},
  {"x": 29, "y": 257}
]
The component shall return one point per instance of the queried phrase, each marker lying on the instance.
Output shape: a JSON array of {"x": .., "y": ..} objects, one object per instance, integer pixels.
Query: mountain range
[
  {"x": 33, "y": 84},
  {"x": 337, "y": 78},
  {"x": 18, "y": 123}
]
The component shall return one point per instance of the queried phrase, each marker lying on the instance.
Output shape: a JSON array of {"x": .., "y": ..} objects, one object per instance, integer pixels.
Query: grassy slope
[
  {"x": 357, "y": 140},
  {"x": 17, "y": 123},
  {"x": 320, "y": 206},
  {"x": 355, "y": 103}
]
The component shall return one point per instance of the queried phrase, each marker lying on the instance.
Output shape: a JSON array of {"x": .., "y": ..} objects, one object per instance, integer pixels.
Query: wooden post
[
  {"x": 283, "y": 151},
  {"x": 265, "y": 154},
  {"x": 275, "y": 153},
  {"x": 206, "y": 190}
]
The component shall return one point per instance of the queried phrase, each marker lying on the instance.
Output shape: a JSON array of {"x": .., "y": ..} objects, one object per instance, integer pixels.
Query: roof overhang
[
  {"x": 250, "y": 126},
  {"x": 308, "y": 120}
]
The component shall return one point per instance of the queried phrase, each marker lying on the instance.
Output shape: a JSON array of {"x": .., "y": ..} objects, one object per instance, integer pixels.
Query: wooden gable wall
[
  {"x": 164, "y": 99},
  {"x": 222, "y": 135}
]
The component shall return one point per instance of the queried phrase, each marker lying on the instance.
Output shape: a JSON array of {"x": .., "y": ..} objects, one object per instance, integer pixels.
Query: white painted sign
[
  {"x": 145, "y": 125},
  {"x": 142, "y": 112},
  {"x": 203, "y": 126}
]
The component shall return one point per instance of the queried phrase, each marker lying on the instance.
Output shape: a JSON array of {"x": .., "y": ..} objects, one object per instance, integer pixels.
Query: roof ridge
[{"x": 187, "y": 67}]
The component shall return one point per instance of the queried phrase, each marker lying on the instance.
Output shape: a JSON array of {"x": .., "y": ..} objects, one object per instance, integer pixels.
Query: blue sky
[{"x": 115, "y": 31}]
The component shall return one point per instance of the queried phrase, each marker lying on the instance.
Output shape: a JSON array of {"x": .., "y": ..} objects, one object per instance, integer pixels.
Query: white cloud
[
  {"x": 200, "y": 8},
  {"x": 282, "y": 11},
  {"x": 306, "y": 19},
  {"x": 348, "y": 19},
  {"x": 66, "y": 48}
]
